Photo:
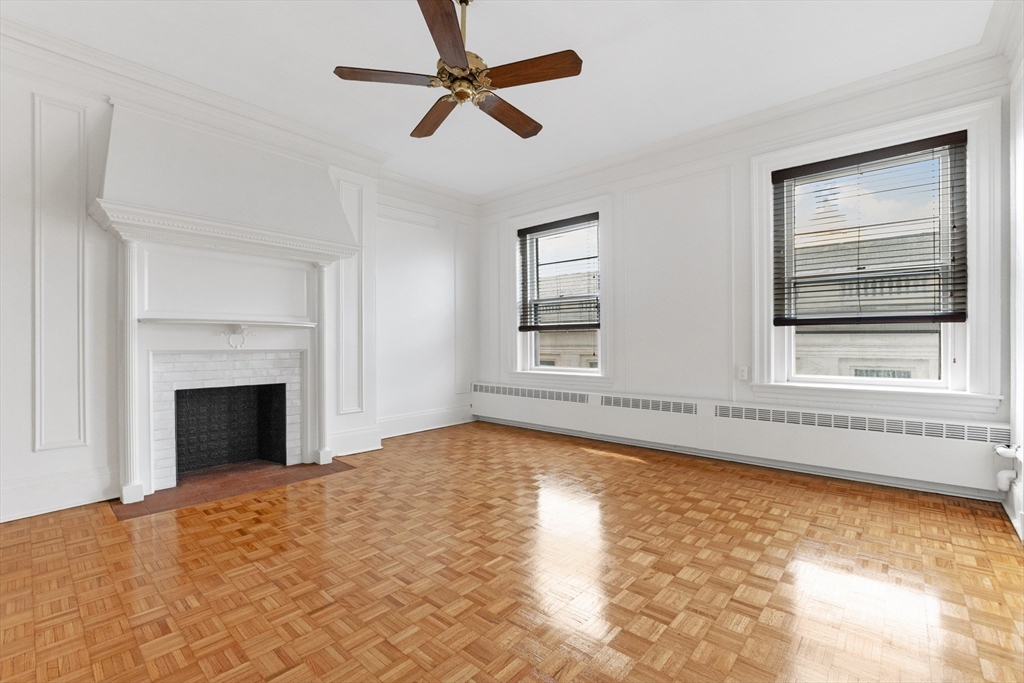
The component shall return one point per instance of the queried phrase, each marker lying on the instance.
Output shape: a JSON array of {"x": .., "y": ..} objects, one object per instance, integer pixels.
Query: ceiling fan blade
[
  {"x": 547, "y": 68},
  {"x": 508, "y": 116},
  {"x": 377, "y": 76},
  {"x": 443, "y": 22},
  {"x": 434, "y": 118}
]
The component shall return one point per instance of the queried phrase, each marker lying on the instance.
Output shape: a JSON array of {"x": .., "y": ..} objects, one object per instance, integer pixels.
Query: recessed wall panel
[
  {"x": 680, "y": 287},
  {"x": 182, "y": 283},
  {"x": 60, "y": 182}
]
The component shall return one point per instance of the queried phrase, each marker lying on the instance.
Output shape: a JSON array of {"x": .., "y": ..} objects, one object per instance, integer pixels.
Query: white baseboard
[
  {"x": 421, "y": 422},
  {"x": 355, "y": 441},
  {"x": 896, "y": 482},
  {"x": 31, "y": 496},
  {"x": 1014, "y": 506}
]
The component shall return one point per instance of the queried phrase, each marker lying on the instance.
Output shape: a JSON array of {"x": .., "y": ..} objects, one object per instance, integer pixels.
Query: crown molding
[
  {"x": 127, "y": 81},
  {"x": 141, "y": 224},
  {"x": 1007, "y": 23},
  {"x": 395, "y": 186}
]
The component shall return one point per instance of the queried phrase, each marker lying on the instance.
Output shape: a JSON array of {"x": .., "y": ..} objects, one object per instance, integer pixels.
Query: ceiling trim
[
  {"x": 158, "y": 91},
  {"x": 410, "y": 189}
]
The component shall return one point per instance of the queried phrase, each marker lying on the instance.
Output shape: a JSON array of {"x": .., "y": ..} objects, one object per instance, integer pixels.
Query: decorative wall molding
[
  {"x": 153, "y": 225},
  {"x": 350, "y": 341},
  {"x": 394, "y": 189},
  {"x": 324, "y": 453},
  {"x": 51, "y": 191},
  {"x": 407, "y": 217},
  {"x": 350, "y": 195},
  {"x": 233, "y": 322},
  {"x": 131, "y": 473}
]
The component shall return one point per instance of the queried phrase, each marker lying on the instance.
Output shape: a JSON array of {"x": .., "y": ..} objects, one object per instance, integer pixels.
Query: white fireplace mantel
[
  {"x": 142, "y": 224},
  {"x": 140, "y": 228}
]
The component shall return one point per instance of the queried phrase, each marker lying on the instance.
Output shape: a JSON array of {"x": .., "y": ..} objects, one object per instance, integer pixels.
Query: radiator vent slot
[
  {"x": 649, "y": 404},
  {"x": 999, "y": 434},
  {"x": 882, "y": 425},
  {"x": 523, "y": 392},
  {"x": 977, "y": 433}
]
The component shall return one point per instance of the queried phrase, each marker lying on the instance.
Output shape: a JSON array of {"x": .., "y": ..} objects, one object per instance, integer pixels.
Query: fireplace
[
  {"x": 226, "y": 425},
  {"x": 220, "y": 402}
]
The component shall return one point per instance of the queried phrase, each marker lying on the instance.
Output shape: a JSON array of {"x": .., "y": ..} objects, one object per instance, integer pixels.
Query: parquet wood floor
[{"x": 488, "y": 553}]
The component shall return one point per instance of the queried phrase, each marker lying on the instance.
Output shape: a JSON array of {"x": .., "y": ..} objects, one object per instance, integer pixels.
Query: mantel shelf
[{"x": 242, "y": 323}]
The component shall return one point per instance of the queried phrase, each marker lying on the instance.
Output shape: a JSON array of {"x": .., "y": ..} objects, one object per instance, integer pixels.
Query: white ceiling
[{"x": 651, "y": 70}]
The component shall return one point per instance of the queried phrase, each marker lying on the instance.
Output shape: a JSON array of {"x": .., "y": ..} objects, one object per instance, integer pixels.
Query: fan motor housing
[{"x": 464, "y": 85}]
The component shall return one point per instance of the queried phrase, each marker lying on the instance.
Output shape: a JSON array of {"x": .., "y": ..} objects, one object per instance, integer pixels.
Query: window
[
  {"x": 870, "y": 263},
  {"x": 560, "y": 293},
  {"x": 965, "y": 356}
]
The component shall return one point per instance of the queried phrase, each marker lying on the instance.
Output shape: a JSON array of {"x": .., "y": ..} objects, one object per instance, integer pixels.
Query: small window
[
  {"x": 560, "y": 292},
  {"x": 870, "y": 262}
]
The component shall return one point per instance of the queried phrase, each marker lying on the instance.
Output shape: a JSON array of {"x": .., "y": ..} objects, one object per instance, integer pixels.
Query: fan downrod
[{"x": 470, "y": 85}]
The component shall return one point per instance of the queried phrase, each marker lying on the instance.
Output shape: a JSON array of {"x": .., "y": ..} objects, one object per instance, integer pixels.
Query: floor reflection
[
  {"x": 569, "y": 559},
  {"x": 871, "y": 623}
]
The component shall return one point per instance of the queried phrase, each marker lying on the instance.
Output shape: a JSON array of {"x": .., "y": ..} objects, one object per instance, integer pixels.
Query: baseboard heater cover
[
  {"x": 882, "y": 480},
  {"x": 523, "y": 392},
  {"x": 664, "y": 406},
  {"x": 942, "y": 430}
]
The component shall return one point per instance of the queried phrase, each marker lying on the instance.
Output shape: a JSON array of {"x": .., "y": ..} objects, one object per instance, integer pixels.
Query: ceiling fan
[{"x": 467, "y": 77}]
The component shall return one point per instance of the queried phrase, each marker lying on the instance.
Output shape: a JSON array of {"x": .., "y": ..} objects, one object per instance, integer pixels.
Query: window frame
[
  {"x": 521, "y": 361},
  {"x": 978, "y": 341}
]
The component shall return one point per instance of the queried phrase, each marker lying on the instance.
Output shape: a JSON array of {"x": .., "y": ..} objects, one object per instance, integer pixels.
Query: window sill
[
  {"x": 873, "y": 398},
  {"x": 561, "y": 378}
]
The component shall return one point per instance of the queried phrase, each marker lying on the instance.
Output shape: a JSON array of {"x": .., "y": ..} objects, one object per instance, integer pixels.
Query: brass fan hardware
[{"x": 467, "y": 77}]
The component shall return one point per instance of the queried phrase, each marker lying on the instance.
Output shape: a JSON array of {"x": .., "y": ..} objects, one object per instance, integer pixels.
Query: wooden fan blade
[
  {"x": 434, "y": 118},
  {"x": 443, "y": 22},
  {"x": 510, "y": 117},
  {"x": 377, "y": 76},
  {"x": 547, "y": 68}
]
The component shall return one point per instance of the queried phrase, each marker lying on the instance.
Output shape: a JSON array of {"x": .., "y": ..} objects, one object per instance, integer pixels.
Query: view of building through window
[
  {"x": 567, "y": 349},
  {"x": 872, "y": 351}
]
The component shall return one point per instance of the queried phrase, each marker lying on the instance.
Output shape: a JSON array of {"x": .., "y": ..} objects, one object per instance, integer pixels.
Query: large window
[
  {"x": 870, "y": 263},
  {"x": 560, "y": 294}
]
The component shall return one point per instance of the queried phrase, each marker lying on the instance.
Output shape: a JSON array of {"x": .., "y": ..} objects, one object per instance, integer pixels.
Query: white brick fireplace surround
[{"x": 173, "y": 371}]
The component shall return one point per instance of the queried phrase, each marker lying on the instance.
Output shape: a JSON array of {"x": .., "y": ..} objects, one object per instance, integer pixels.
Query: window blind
[
  {"x": 878, "y": 237},
  {"x": 559, "y": 278}
]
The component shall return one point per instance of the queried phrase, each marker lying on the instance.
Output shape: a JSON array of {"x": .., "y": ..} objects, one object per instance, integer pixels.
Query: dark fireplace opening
[{"x": 224, "y": 425}]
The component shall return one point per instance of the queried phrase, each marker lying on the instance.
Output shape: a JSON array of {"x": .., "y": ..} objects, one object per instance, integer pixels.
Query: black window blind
[
  {"x": 559, "y": 279},
  {"x": 878, "y": 237}
]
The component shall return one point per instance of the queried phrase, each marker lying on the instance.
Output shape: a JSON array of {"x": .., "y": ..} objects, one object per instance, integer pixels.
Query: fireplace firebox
[{"x": 223, "y": 425}]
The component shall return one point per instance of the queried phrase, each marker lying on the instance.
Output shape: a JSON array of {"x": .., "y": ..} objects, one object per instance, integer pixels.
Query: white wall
[{"x": 680, "y": 264}]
